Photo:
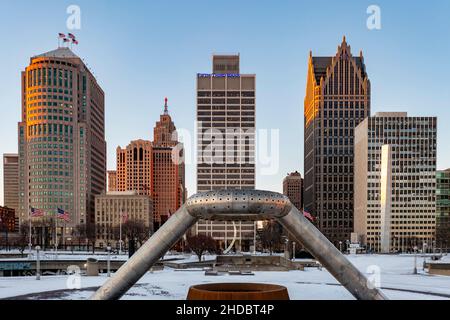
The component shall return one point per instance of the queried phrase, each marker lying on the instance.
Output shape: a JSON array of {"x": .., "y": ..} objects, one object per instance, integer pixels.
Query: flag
[
  {"x": 66, "y": 40},
  {"x": 61, "y": 35},
  {"x": 124, "y": 217},
  {"x": 308, "y": 215},
  {"x": 71, "y": 36},
  {"x": 36, "y": 212},
  {"x": 63, "y": 215},
  {"x": 74, "y": 41}
]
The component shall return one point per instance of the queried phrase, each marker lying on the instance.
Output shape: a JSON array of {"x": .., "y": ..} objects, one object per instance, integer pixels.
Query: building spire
[{"x": 166, "y": 109}]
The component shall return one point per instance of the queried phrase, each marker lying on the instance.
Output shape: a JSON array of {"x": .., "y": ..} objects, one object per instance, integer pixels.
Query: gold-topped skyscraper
[{"x": 337, "y": 100}]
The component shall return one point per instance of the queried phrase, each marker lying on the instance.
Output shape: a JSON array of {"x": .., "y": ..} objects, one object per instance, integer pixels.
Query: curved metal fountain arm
[
  {"x": 329, "y": 256},
  {"x": 146, "y": 256}
]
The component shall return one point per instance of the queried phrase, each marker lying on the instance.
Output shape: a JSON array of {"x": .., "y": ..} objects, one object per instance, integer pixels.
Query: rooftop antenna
[{"x": 166, "y": 109}]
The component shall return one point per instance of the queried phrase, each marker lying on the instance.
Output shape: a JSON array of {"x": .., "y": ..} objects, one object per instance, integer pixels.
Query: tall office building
[
  {"x": 226, "y": 142},
  {"x": 443, "y": 208},
  {"x": 337, "y": 100},
  {"x": 395, "y": 181},
  {"x": 112, "y": 180},
  {"x": 167, "y": 188},
  {"x": 293, "y": 189},
  {"x": 62, "y": 147},
  {"x": 152, "y": 168},
  {"x": 11, "y": 181}
]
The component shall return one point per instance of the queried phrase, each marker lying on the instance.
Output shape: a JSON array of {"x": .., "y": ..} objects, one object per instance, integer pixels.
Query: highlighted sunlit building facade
[
  {"x": 337, "y": 100},
  {"x": 62, "y": 147},
  {"x": 395, "y": 182}
]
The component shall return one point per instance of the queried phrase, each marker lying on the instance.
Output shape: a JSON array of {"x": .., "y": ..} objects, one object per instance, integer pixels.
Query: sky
[{"x": 143, "y": 51}]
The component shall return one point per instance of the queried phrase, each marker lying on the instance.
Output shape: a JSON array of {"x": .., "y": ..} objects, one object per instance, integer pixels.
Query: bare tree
[
  {"x": 85, "y": 231},
  {"x": 201, "y": 243},
  {"x": 23, "y": 240},
  {"x": 271, "y": 236},
  {"x": 133, "y": 229}
]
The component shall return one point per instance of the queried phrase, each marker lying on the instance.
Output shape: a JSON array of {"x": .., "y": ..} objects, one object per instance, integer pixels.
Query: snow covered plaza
[{"x": 395, "y": 277}]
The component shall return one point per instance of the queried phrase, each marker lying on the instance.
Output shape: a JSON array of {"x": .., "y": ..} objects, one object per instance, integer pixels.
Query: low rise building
[{"x": 115, "y": 208}]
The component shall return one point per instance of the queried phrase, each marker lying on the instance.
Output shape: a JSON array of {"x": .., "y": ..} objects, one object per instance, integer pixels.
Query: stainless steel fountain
[{"x": 235, "y": 205}]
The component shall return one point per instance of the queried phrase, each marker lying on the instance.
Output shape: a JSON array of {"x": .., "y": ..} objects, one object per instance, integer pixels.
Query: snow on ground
[{"x": 396, "y": 279}]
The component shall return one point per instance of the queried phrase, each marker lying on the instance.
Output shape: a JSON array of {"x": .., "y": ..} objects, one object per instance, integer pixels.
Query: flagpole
[
  {"x": 56, "y": 233},
  {"x": 29, "y": 236},
  {"x": 120, "y": 232}
]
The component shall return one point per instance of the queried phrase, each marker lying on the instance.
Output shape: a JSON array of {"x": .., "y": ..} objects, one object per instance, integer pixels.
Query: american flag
[
  {"x": 124, "y": 217},
  {"x": 63, "y": 215},
  {"x": 308, "y": 215},
  {"x": 36, "y": 212},
  {"x": 61, "y": 35},
  {"x": 71, "y": 36},
  {"x": 66, "y": 40},
  {"x": 74, "y": 41}
]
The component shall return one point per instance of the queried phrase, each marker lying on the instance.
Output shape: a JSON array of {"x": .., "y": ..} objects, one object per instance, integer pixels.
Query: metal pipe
[
  {"x": 329, "y": 256},
  {"x": 146, "y": 256}
]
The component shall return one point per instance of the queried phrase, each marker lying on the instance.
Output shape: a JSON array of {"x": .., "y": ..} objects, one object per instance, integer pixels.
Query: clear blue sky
[{"x": 142, "y": 51}]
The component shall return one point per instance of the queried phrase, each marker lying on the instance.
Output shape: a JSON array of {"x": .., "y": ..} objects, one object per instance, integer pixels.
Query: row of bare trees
[{"x": 82, "y": 234}]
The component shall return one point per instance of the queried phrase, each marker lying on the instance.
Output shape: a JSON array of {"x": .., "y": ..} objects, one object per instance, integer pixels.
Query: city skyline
[{"x": 279, "y": 56}]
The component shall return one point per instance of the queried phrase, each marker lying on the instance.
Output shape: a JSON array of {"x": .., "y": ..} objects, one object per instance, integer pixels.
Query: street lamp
[
  {"x": 293, "y": 251},
  {"x": 108, "y": 248},
  {"x": 340, "y": 246},
  {"x": 415, "y": 260},
  {"x": 38, "y": 263}
]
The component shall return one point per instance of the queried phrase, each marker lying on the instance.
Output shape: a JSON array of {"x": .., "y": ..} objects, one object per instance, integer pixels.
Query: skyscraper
[
  {"x": 134, "y": 167},
  {"x": 337, "y": 100},
  {"x": 293, "y": 189},
  {"x": 395, "y": 181},
  {"x": 443, "y": 208},
  {"x": 62, "y": 147},
  {"x": 11, "y": 181},
  {"x": 167, "y": 188},
  {"x": 226, "y": 141},
  {"x": 152, "y": 168}
]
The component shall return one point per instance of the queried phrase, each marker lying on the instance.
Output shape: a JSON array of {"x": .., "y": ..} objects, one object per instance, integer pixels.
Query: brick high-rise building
[
  {"x": 293, "y": 189},
  {"x": 167, "y": 188},
  {"x": 11, "y": 181},
  {"x": 395, "y": 181},
  {"x": 134, "y": 167},
  {"x": 62, "y": 147},
  {"x": 337, "y": 100},
  {"x": 151, "y": 168},
  {"x": 226, "y": 141}
]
